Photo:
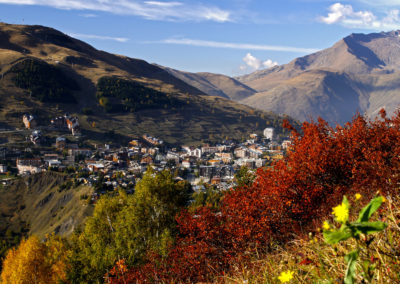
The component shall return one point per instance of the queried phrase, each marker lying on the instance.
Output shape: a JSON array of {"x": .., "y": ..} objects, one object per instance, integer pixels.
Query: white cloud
[
  {"x": 346, "y": 16},
  {"x": 251, "y": 61},
  {"x": 269, "y": 63},
  {"x": 255, "y": 63},
  {"x": 245, "y": 46},
  {"x": 381, "y": 3},
  {"x": 151, "y": 10},
  {"x": 88, "y": 15},
  {"x": 87, "y": 36},
  {"x": 163, "y": 4}
]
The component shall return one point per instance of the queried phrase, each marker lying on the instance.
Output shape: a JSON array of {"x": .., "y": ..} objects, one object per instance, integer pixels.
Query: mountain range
[
  {"x": 360, "y": 73},
  {"x": 48, "y": 73}
]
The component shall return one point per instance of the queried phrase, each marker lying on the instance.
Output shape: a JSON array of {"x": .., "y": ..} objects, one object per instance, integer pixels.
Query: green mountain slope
[{"x": 39, "y": 205}]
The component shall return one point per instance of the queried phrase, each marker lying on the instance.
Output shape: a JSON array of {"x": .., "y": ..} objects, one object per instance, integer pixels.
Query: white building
[
  {"x": 54, "y": 163},
  {"x": 286, "y": 144},
  {"x": 3, "y": 169},
  {"x": 30, "y": 166},
  {"x": 186, "y": 164},
  {"x": 191, "y": 151},
  {"x": 269, "y": 133}
]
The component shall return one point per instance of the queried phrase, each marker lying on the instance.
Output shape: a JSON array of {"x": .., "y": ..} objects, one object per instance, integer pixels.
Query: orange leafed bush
[
  {"x": 292, "y": 197},
  {"x": 36, "y": 262}
]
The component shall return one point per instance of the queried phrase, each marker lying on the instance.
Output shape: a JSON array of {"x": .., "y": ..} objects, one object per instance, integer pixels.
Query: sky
[{"x": 231, "y": 37}]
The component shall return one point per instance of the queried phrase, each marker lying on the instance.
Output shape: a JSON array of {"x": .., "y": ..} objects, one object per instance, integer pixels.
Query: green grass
[{"x": 314, "y": 261}]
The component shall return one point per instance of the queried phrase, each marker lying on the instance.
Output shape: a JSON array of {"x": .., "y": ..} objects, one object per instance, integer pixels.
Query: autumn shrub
[{"x": 36, "y": 262}]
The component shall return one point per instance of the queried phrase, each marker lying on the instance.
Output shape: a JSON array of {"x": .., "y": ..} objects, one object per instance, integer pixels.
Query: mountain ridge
[
  {"x": 214, "y": 84},
  {"x": 359, "y": 73}
]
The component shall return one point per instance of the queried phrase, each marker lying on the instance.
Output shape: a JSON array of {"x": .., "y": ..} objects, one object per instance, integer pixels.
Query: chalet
[
  {"x": 173, "y": 156},
  {"x": 253, "y": 138},
  {"x": 153, "y": 151},
  {"x": 36, "y": 137},
  {"x": 50, "y": 156},
  {"x": 207, "y": 171},
  {"x": 241, "y": 152},
  {"x": 135, "y": 167},
  {"x": 148, "y": 160},
  {"x": 30, "y": 166},
  {"x": 286, "y": 144},
  {"x": 160, "y": 158},
  {"x": 135, "y": 143},
  {"x": 261, "y": 163},
  {"x": 3, "y": 169},
  {"x": 250, "y": 163},
  {"x": 29, "y": 121},
  {"x": 193, "y": 152},
  {"x": 274, "y": 146},
  {"x": 152, "y": 140},
  {"x": 214, "y": 162},
  {"x": 59, "y": 122},
  {"x": 209, "y": 150},
  {"x": 216, "y": 180},
  {"x": 121, "y": 156},
  {"x": 186, "y": 164},
  {"x": 226, "y": 172},
  {"x": 73, "y": 125},
  {"x": 255, "y": 152},
  {"x": 96, "y": 167},
  {"x": 225, "y": 157},
  {"x": 61, "y": 143},
  {"x": 77, "y": 152},
  {"x": 54, "y": 163}
]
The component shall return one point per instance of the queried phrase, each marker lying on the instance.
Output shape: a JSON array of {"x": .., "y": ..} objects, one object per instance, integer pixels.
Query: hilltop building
[
  {"x": 73, "y": 125},
  {"x": 269, "y": 133},
  {"x": 29, "y": 121},
  {"x": 36, "y": 136}
]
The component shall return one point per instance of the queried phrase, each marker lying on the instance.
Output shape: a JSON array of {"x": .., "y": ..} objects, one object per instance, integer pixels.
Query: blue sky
[{"x": 231, "y": 37}]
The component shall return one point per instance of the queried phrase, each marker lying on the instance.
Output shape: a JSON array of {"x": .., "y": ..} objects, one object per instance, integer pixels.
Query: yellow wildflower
[
  {"x": 341, "y": 213},
  {"x": 286, "y": 276},
  {"x": 383, "y": 199},
  {"x": 326, "y": 225},
  {"x": 357, "y": 196}
]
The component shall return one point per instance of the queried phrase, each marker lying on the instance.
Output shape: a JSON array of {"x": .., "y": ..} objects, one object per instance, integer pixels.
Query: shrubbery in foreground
[
  {"x": 284, "y": 202},
  {"x": 312, "y": 260}
]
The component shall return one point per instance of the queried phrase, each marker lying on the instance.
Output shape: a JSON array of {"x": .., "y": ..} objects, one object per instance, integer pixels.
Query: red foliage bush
[{"x": 287, "y": 200}]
